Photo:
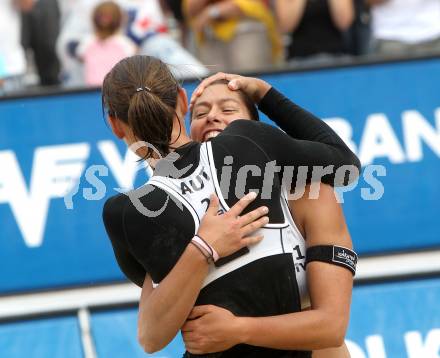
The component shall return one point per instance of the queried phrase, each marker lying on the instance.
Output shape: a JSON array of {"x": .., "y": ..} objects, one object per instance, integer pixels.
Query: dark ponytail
[{"x": 142, "y": 92}]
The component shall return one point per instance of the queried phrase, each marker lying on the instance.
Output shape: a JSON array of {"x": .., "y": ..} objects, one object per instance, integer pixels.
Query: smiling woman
[
  {"x": 216, "y": 104},
  {"x": 222, "y": 103}
]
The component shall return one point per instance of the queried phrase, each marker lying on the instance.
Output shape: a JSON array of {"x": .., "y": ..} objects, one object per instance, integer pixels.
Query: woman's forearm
[
  {"x": 163, "y": 312},
  {"x": 193, "y": 8},
  {"x": 289, "y": 13},
  {"x": 342, "y": 13},
  {"x": 308, "y": 330}
]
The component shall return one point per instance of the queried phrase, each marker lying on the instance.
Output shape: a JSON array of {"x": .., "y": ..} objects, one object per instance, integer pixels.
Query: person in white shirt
[
  {"x": 405, "y": 27},
  {"x": 12, "y": 57}
]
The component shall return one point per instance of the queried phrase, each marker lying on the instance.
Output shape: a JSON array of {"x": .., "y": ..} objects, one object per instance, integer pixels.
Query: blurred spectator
[
  {"x": 359, "y": 34},
  {"x": 12, "y": 57},
  {"x": 146, "y": 26},
  {"x": 41, "y": 26},
  {"x": 234, "y": 35},
  {"x": 404, "y": 27},
  {"x": 316, "y": 27},
  {"x": 174, "y": 7},
  {"x": 107, "y": 46}
]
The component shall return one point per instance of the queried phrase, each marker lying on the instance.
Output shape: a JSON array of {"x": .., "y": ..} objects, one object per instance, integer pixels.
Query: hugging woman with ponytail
[{"x": 228, "y": 250}]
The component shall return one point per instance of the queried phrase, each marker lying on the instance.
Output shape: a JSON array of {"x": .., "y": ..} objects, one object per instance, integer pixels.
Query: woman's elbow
[
  {"x": 149, "y": 349},
  {"x": 336, "y": 332},
  {"x": 149, "y": 346},
  {"x": 344, "y": 21},
  {"x": 148, "y": 343},
  {"x": 286, "y": 25},
  {"x": 338, "y": 339}
]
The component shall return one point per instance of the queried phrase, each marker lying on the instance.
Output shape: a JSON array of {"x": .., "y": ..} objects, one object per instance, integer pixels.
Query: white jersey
[{"x": 193, "y": 191}]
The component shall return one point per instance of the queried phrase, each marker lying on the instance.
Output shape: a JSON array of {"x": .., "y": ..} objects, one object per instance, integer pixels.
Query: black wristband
[{"x": 332, "y": 254}]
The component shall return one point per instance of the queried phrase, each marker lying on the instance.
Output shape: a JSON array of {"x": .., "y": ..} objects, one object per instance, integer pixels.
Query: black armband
[{"x": 332, "y": 254}]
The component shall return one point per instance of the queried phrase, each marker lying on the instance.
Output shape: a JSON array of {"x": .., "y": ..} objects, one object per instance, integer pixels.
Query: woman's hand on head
[
  {"x": 230, "y": 232},
  {"x": 255, "y": 88}
]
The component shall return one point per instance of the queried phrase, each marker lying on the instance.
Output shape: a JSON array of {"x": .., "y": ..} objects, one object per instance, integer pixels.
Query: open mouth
[{"x": 211, "y": 134}]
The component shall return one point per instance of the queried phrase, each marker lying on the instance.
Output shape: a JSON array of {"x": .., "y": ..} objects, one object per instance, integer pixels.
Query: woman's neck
[
  {"x": 178, "y": 141},
  {"x": 179, "y": 136}
]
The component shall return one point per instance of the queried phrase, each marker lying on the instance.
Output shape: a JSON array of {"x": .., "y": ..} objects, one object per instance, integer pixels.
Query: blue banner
[
  {"x": 400, "y": 319},
  {"x": 51, "y": 337},
  {"x": 49, "y": 146}
]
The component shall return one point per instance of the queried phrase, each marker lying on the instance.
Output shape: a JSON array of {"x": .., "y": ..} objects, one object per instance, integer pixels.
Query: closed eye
[
  {"x": 229, "y": 110},
  {"x": 200, "y": 115}
]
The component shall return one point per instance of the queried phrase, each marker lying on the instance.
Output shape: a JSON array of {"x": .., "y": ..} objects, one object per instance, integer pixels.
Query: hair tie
[{"x": 140, "y": 89}]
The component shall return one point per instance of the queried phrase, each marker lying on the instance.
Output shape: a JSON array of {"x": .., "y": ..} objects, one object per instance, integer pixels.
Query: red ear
[
  {"x": 117, "y": 127},
  {"x": 184, "y": 100}
]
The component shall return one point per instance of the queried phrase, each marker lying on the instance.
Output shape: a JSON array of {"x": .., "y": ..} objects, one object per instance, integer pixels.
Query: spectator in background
[
  {"x": 316, "y": 27},
  {"x": 359, "y": 34},
  {"x": 41, "y": 27},
  {"x": 174, "y": 9},
  {"x": 107, "y": 46},
  {"x": 405, "y": 27},
  {"x": 12, "y": 58},
  {"x": 234, "y": 35},
  {"x": 146, "y": 26}
]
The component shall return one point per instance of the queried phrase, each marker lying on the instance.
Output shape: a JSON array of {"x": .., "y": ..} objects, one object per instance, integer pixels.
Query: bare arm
[
  {"x": 342, "y": 13},
  {"x": 193, "y": 8},
  {"x": 336, "y": 352},
  {"x": 224, "y": 10},
  {"x": 163, "y": 310},
  {"x": 330, "y": 288},
  {"x": 289, "y": 13},
  {"x": 24, "y": 5}
]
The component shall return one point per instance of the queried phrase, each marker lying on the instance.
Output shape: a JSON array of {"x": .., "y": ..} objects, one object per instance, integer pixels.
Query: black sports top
[{"x": 264, "y": 287}]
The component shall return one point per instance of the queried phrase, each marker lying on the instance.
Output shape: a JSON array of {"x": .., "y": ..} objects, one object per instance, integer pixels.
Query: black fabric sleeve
[
  {"x": 113, "y": 221},
  {"x": 320, "y": 143},
  {"x": 147, "y": 244},
  {"x": 289, "y": 152},
  {"x": 296, "y": 121}
]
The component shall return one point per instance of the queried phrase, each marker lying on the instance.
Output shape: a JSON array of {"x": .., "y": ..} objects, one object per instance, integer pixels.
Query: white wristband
[{"x": 208, "y": 248}]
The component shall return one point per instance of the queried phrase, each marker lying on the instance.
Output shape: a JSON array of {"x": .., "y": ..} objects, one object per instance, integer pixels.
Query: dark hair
[
  {"x": 142, "y": 92},
  {"x": 248, "y": 102},
  {"x": 107, "y": 19}
]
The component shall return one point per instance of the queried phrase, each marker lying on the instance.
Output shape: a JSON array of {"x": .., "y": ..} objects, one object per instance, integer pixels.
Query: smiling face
[{"x": 217, "y": 107}]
